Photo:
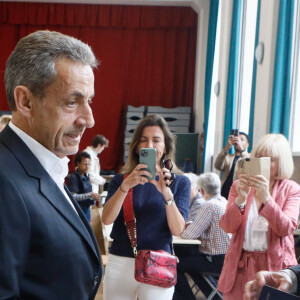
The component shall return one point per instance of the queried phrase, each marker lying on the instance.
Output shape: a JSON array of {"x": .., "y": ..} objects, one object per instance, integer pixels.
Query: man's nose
[{"x": 86, "y": 117}]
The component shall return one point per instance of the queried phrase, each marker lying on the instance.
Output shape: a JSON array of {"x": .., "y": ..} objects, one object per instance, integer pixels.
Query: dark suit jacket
[
  {"x": 296, "y": 270},
  {"x": 47, "y": 250},
  {"x": 76, "y": 185}
]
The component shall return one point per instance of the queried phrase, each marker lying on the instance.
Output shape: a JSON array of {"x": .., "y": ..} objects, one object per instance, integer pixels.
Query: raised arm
[{"x": 118, "y": 191}]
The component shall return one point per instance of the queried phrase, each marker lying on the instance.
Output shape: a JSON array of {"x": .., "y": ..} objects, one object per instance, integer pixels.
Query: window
[
  {"x": 248, "y": 31},
  {"x": 210, "y": 145}
]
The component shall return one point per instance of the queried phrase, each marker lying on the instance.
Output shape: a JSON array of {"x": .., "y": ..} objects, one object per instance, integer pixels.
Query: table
[
  {"x": 177, "y": 240},
  {"x": 108, "y": 179}
]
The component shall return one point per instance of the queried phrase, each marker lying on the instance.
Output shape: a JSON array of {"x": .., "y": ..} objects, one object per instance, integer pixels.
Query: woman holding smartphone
[
  {"x": 160, "y": 205},
  {"x": 262, "y": 216}
]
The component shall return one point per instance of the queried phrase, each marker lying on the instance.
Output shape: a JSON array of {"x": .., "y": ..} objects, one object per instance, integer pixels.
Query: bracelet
[{"x": 120, "y": 188}]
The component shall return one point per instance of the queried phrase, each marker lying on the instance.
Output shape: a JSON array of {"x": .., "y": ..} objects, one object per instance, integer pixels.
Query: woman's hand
[
  {"x": 261, "y": 186},
  {"x": 137, "y": 176},
  {"x": 243, "y": 189},
  {"x": 164, "y": 176}
]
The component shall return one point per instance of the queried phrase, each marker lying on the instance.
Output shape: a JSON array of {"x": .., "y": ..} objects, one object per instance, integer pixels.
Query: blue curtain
[
  {"x": 232, "y": 80},
  {"x": 281, "y": 99},
  {"x": 212, "y": 30},
  {"x": 253, "y": 88}
]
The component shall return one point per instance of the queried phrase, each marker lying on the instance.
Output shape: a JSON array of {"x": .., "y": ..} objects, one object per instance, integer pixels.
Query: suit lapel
[
  {"x": 48, "y": 187},
  {"x": 84, "y": 221}
]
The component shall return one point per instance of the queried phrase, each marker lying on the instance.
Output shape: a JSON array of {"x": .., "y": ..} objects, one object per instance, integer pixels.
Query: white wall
[{"x": 264, "y": 79}]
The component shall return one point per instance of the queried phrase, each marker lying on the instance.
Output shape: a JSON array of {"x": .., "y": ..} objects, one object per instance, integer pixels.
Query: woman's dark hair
[{"x": 133, "y": 155}]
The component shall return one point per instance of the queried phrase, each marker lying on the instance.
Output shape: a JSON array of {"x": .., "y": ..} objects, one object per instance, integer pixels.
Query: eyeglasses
[{"x": 86, "y": 164}]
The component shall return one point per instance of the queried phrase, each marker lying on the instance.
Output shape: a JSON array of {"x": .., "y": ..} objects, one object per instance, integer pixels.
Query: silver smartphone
[{"x": 148, "y": 157}]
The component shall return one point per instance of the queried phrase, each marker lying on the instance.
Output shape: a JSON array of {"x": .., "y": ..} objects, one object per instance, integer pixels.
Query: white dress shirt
[
  {"x": 56, "y": 167},
  {"x": 94, "y": 170}
]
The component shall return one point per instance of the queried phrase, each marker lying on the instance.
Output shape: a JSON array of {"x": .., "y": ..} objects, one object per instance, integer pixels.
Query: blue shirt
[{"x": 150, "y": 212}]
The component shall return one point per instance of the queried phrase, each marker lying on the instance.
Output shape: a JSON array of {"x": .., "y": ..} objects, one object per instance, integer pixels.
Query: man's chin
[{"x": 71, "y": 150}]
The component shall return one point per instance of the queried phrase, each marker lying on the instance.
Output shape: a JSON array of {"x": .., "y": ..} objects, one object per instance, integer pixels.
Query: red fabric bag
[{"x": 157, "y": 268}]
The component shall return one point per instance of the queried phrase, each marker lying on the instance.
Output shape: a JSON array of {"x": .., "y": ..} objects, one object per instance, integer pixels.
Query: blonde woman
[{"x": 262, "y": 216}]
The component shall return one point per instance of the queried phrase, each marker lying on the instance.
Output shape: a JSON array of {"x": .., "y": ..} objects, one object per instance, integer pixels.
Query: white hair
[
  {"x": 193, "y": 179},
  {"x": 210, "y": 183}
]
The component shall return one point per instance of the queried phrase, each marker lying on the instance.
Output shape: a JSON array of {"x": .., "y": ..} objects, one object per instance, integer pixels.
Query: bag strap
[{"x": 129, "y": 219}]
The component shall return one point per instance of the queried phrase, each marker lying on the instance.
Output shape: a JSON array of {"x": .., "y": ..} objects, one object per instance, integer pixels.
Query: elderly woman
[
  {"x": 196, "y": 200},
  {"x": 262, "y": 216},
  {"x": 4, "y": 120},
  {"x": 160, "y": 208},
  {"x": 209, "y": 256}
]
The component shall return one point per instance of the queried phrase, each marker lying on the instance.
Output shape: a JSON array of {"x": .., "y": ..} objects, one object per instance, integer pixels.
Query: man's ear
[
  {"x": 23, "y": 100},
  {"x": 202, "y": 191}
]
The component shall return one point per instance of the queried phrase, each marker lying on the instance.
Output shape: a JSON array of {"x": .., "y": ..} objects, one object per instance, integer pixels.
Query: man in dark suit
[
  {"x": 80, "y": 186},
  {"x": 287, "y": 280},
  {"x": 47, "y": 248}
]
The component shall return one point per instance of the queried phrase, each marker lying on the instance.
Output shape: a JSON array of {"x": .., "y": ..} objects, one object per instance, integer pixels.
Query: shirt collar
[
  {"x": 93, "y": 151},
  {"x": 54, "y": 165},
  {"x": 84, "y": 177},
  {"x": 216, "y": 196}
]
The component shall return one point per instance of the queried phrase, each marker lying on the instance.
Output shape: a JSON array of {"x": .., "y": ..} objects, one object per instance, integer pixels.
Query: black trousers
[{"x": 195, "y": 263}]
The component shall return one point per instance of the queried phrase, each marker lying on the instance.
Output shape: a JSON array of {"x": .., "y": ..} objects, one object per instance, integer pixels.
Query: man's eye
[
  {"x": 72, "y": 104},
  {"x": 90, "y": 101}
]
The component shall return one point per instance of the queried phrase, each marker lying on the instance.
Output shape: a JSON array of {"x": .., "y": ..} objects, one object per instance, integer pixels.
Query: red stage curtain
[{"x": 147, "y": 57}]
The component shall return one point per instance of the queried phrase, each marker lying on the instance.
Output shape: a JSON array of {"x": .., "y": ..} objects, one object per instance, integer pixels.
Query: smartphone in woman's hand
[{"x": 148, "y": 157}]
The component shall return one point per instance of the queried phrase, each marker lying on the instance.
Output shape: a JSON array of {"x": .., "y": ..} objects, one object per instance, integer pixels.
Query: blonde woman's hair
[
  {"x": 5, "y": 119},
  {"x": 133, "y": 155},
  {"x": 276, "y": 146}
]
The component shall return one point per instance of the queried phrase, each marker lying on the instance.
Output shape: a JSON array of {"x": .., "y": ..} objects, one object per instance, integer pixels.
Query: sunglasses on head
[{"x": 168, "y": 164}]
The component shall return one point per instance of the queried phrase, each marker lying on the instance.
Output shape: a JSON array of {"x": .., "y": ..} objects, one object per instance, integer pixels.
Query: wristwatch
[{"x": 169, "y": 202}]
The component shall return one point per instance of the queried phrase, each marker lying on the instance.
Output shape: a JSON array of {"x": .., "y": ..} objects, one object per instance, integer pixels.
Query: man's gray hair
[
  {"x": 210, "y": 183},
  {"x": 32, "y": 63}
]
